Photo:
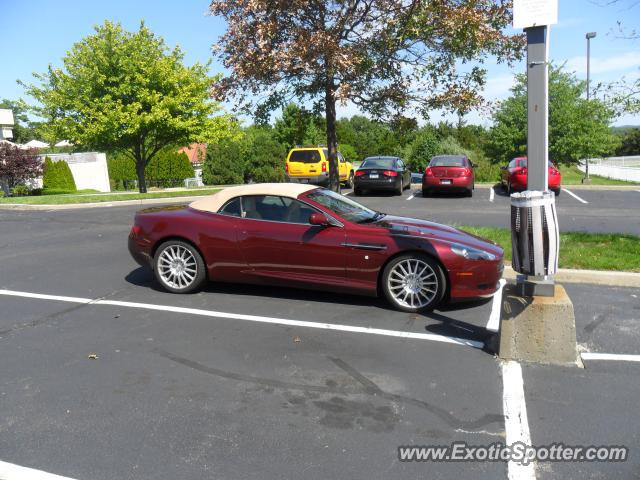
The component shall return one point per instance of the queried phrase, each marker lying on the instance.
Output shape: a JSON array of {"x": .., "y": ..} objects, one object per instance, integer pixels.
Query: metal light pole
[{"x": 588, "y": 36}]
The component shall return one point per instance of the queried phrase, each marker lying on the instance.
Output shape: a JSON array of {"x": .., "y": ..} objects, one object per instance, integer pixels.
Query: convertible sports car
[{"x": 304, "y": 236}]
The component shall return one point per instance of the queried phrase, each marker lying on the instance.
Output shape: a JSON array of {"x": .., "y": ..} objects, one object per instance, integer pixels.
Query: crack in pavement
[{"x": 367, "y": 388}]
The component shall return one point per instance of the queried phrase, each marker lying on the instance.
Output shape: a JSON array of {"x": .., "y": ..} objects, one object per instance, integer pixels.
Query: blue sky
[{"x": 35, "y": 33}]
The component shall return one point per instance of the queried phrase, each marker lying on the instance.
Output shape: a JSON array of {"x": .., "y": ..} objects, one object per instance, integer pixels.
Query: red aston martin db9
[{"x": 305, "y": 236}]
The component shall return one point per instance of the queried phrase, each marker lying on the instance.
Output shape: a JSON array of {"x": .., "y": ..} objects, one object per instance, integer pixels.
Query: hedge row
[
  {"x": 167, "y": 167},
  {"x": 57, "y": 176}
]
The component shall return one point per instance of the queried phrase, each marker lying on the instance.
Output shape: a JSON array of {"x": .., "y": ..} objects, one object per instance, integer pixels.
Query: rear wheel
[
  {"x": 349, "y": 182},
  {"x": 557, "y": 191},
  {"x": 413, "y": 282},
  {"x": 400, "y": 188},
  {"x": 425, "y": 192},
  {"x": 179, "y": 267},
  {"x": 357, "y": 192},
  {"x": 470, "y": 192}
]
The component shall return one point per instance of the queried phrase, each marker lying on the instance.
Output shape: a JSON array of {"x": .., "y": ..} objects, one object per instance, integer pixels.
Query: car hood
[{"x": 436, "y": 231}]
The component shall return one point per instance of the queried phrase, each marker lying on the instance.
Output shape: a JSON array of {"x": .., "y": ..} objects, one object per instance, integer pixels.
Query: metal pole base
[
  {"x": 586, "y": 181},
  {"x": 532, "y": 286}
]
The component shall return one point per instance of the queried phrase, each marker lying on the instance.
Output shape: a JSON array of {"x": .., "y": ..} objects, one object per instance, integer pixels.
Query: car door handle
[{"x": 364, "y": 246}]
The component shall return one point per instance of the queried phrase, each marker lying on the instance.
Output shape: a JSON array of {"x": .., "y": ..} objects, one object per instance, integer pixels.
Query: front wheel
[
  {"x": 413, "y": 282},
  {"x": 179, "y": 267}
]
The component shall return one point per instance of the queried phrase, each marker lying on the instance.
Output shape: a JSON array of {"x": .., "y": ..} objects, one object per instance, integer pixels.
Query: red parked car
[
  {"x": 305, "y": 236},
  {"x": 449, "y": 173},
  {"x": 514, "y": 176}
]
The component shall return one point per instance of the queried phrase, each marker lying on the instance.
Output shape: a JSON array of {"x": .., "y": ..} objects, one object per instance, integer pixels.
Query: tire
[
  {"x": 421, "y": 271},
  {"x": 470, "y": 193},
  {"x": 425, "y": 192},
  {"x": 357, "y": 192},
  {"x": 179, "y": 267},
  {"x": 400, "y": 189},
  {"x": 509, "y": 189},
  {"x": 557, "y": 191},
  {"x": 349, "y": 182}
]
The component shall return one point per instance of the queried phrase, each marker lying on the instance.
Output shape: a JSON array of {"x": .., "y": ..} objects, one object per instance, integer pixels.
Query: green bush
[
  {"x": 348, "y": 152},
  {"x": 421, "y": 149},
  {"x": 57, "y": 176},
  {"x": 166, "y": 167},
  {"x": 20, "y": 191},
  {"x": 2, "y": 194},
  {"x": 264, "y": 158},
  {"x": 224, "y": 163},
  {"x": 485, "y": 171}
]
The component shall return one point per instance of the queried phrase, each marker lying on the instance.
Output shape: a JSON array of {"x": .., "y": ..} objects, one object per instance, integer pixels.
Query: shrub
[
  {"x": 169, "y": 165},
  {"x": 485, "y": 170},
  {"x": 57, "y": 176},
  {"x": 2, "y": 194},
  {"x": 224, "y": 163},
  {"x": 264, "y": 158},
  {"x": 20, "y": 191},
  {"x": 348, "y": 152},
  {"x": 420, "y": 151}
]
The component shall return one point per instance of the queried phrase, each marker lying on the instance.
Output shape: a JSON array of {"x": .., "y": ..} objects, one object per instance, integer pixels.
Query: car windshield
[
  {"x": 447, "y": 162},
  {"x": 343, "y": 206},
  {"x": 386, "y": 163},
  {"x": 523, "y": 163}
]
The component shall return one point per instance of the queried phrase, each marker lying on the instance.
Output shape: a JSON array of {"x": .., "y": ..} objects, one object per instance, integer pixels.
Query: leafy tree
[
  {"x": 292, "y": 128},
  {"x": 57, "y": 177},
  {"x": 630, "y": 143},
  {"x": 17, "y": 166},
  {"x": 170, "y": 165},
  {"x": 349, "y": 152},
  {"x": 577, "y": 128},
  {"x": 382, "y": 55},
  {"x": 125, "y": 91},
  {"x": 424, "y": 146}
]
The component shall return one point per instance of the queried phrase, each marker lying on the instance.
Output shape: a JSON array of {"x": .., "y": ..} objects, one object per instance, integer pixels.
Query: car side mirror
[{"x": 319, "y": 220}]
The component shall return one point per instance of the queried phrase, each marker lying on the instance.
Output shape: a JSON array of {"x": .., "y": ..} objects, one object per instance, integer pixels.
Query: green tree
[
  {"x": 349, "y": 152},
  {"x": 421, "y": 149},
  {"x": 630, "y": 143},
  {"x": 291, "y": 129},
  {"x": 126, "y": 91},
  {"x": 577, "y": 128},
  {"x": 382, "y": 55}
]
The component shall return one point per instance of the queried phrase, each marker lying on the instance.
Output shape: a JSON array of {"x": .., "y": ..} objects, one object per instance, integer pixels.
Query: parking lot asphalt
[
  {"x": 244, "y": 388},
  {"x": 598, "y": 211}
]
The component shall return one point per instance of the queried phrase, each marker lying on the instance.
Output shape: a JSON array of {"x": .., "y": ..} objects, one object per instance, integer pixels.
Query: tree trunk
[
  {"x": 332, "y": 139},
  {"x": 142, "y": 183}
]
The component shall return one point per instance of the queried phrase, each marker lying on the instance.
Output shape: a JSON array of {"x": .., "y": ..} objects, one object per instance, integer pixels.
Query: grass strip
[
  {"x": 592, "y": 251},
  {"x": 115, "y": 197}
]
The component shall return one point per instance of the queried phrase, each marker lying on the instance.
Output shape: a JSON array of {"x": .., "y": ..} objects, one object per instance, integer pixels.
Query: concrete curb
[
  {"x": 118, "y": 203},
  {"x": 593, "y": 277}
]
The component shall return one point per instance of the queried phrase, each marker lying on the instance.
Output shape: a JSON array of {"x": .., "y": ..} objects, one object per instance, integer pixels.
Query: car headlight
[{"x": 471, "y": 253}]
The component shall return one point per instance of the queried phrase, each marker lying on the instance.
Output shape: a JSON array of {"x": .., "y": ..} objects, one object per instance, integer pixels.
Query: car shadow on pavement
[{"x": 445, "y": 325}]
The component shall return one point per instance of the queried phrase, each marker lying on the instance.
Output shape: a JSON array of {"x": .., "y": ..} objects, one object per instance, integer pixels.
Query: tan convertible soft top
[{"x": 217, "y": 200}]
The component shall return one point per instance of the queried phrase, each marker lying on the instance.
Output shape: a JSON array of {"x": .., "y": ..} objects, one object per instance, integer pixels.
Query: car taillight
[
  {"x": 135, "y": 231},
  {"x": 428, "y": 172},
  {"x": 324, "y": 166},
  {"x": 466, "y": 172},
  {"x": 390, "y": 173},
  {"x": 553, "y": 171},
  {"x": 286, "y": 167},
  {"x": 359, "y": 173}
]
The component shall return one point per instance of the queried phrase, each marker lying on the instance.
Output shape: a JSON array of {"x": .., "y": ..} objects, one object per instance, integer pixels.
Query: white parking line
[
  {"x": 516, "y": 423},
  {"x": 616, "y": 357},
  {"x": 411, "y": 196},
  {"x": 492, "y": 194},
  {"x": 574, "y": 195},
  {"x": 251, "y": 318},
  {"x": 9, "y": 471},
  {"x": 493, "y": 325}
]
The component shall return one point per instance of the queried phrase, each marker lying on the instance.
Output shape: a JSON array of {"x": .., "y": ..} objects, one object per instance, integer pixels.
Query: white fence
[
  {"x": 618, "y": 168},
  {"x": 89, "y": 169}
]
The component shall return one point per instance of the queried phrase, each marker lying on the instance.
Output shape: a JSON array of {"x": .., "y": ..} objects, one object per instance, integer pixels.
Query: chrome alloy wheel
[
  {"x": 413, "y": 283},
  {"x": 177, "y": 267}
]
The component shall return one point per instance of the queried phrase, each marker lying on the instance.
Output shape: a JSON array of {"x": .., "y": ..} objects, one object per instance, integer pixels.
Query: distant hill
[{"x": 624, "y": 128}]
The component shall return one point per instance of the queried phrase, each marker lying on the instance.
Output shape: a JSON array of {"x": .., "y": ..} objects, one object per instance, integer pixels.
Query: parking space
[
  {"x": 605, "y": 211},
  {"x": 255, "y": 382}
]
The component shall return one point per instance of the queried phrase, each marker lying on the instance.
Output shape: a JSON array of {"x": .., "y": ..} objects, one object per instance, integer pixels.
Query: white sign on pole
[{"x": 534, "y": 13}]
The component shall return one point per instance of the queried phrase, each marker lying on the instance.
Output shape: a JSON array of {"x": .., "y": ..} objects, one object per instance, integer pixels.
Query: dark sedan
[
  {"x": 382, "y": 173},
  {"x": 303, "y": 236}
]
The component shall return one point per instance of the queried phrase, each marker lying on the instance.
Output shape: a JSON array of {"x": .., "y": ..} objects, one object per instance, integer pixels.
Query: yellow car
[{"x": 311, "y": 165}]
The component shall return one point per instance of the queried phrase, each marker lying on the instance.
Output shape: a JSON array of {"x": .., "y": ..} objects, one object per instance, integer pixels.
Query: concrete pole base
[
  {"x": 586, "y": 181},
  {"x": 537, "y": 329}
]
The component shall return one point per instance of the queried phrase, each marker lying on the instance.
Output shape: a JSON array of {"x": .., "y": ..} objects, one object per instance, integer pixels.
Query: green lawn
[
  {"x": 573, "y": 176},
  {"x": 592, "y": 251},
  {"x": 95, "y": 198}
]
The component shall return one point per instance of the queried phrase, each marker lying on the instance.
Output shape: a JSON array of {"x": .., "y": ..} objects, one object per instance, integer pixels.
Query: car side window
[
  {"x": 400, "y": 164},
  {"x": 275, "y": 209},
  {"x": 341, "y": 158},
  {"x": 512, "y": 164},
  {"x": 232, "y": 208}
]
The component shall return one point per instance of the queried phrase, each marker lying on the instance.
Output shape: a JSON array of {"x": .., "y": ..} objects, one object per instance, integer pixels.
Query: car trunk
[{"x": 448, "y": 172}]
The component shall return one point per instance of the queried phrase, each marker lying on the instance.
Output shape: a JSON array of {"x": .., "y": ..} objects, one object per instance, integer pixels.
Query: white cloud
[{"x": 600, "y": 65}]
